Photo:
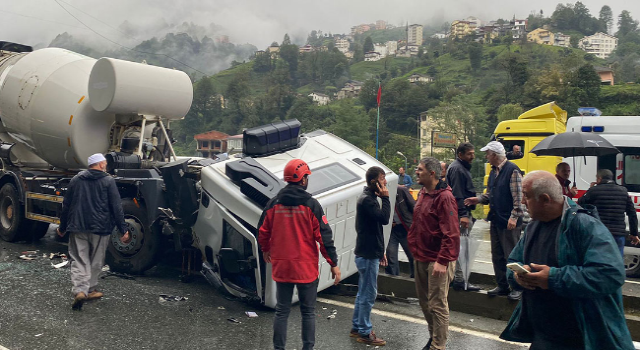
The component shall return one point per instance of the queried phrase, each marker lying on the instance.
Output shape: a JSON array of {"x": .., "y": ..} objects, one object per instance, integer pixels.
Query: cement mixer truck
[{"x": 58, "y": 107}]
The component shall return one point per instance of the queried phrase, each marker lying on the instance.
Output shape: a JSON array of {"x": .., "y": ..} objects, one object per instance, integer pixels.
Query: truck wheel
[
  {"x": 11, "y": 216},
  {"x": 141, "y": 253},
  {"x": 36, "y": 229},
  {"x": 632, "y": 265}
]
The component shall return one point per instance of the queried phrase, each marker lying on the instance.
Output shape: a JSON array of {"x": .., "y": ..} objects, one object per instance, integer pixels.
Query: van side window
[{"x": 630, "y": 168}]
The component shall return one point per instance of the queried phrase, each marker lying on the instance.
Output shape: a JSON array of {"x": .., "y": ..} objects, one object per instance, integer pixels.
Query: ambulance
[{"x": 624, "y": 133}]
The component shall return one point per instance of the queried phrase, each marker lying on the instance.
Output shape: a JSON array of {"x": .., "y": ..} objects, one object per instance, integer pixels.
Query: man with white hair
[
  {"x": 504, "y": 196},
  {"x": 573, "y": 277},
  {"x": 90, "y": 210}
]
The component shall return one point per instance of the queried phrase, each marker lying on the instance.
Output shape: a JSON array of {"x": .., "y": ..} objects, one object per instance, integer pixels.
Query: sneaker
[
  {"x": 371, "y": 339},
  {"x": 95, "y": 295},
  {"x": 78, "y": 301},
  {"x": 498, "y": 291},
  {"x": 354, "y": 333}
]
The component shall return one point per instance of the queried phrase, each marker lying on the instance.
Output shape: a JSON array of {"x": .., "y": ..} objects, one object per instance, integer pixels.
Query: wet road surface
[{"x": 36, "y": 314}]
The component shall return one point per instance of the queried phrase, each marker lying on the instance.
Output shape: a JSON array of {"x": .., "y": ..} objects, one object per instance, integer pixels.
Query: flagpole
[{"x": 378, "y": 119}]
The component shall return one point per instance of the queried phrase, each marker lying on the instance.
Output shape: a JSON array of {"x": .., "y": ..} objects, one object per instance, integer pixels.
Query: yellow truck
[{"x": 526, "y": 132}]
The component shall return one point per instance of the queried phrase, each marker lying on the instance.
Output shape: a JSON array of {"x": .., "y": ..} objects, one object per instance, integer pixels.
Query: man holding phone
[
  {"x": 434, "y": 239},
  {"x": 572, "y": 297},
  {"x": 370, "y": 252}
]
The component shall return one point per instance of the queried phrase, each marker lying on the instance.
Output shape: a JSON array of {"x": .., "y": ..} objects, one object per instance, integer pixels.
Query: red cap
[{"x": 295, "y": 170}]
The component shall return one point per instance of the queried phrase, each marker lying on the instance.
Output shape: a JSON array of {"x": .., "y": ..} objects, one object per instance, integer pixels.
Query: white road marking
[
  {"x": 3, "y": 348},
  {"x": 628, "y": 281},
  {"x": 422, "y": 322}
]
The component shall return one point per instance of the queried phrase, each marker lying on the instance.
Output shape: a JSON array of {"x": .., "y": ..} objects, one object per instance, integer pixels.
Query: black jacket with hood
[
  {"x": 612, "y": 201},
  {"x": 92, "y": 204}
]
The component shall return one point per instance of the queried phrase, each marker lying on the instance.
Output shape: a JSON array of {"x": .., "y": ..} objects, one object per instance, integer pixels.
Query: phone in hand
[{"x": 517, "y": 268}]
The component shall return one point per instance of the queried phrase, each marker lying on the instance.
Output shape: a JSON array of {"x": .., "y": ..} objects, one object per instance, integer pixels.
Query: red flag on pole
[{"x": 379, "y": 94}]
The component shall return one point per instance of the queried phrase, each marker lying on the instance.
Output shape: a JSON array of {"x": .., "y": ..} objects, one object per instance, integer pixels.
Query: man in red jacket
[
  {"x": 291, "y": 228},
  {"x": 434, "y": 239}
]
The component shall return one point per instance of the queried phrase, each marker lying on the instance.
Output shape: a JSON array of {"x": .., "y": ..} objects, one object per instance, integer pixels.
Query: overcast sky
[{"x": 257, "y": 22}]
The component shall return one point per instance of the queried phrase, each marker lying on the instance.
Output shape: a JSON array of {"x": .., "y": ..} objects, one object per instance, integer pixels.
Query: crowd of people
[{"x": 566, "y": 269}]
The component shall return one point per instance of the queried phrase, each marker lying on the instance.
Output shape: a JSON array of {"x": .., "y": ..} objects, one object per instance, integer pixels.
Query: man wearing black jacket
[
  {"x": 90, "y": 210},
  {"x": 459, "y": 179},
  {"x": 370, "y": 252},
  {"x": 612, "y": 202}
]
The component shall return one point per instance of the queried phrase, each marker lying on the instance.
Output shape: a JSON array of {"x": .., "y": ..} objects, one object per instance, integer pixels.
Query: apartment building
[
  {"x": 414, "y": 34},
  {"x": 562, "y": 40},
  {"x": 541, "y": 36},
  {"x": 599, "y": 44}
]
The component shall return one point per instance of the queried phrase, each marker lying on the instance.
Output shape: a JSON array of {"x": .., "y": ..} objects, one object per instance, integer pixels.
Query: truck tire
[
  {"x": 11, "y": 214},
  {"x": 36, "y": 229},
  {"x": 141, "y": 253}
]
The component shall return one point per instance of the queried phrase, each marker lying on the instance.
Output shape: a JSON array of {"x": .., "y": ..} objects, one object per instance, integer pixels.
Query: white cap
[
  {"x": 494, "y": 146},
  {"x": 96, "y": 158}
]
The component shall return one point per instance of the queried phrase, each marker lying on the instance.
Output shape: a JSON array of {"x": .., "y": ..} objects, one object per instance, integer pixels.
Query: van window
[{"x": 631, "y": 168}]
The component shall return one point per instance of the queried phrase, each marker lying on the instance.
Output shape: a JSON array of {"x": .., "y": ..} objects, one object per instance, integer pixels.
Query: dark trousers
[
  {"x": 398, "y": 237},
  {"x": 307, "y": 293},
  {"x": 502, "y": 243}
]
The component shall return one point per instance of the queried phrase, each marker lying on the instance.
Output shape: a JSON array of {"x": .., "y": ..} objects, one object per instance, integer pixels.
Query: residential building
[
  {"x": 424, "y": 134},
  {"x": 541, "y": 36},
  {"x": 487, "y": 33},
  {"x": 562, "y": 40},
  {"x": 273, "y": 51},
  {"x": 440, "y": 36},
  {"x": 606, "y": 75},
  {"x": 475, "y": 22},
  {"x": 320, "y": 99},
  {"x": 381, "y": 49},
  {"x": 380, "y": 24},
  {"x": 414, "y": 34},
  {"x": 234, "y": 144},
  {"x": 211, "y": 143},
  {"x": 350, "y": 90},
  {"x": 372, "y": 56},
  {"x": 418, "y": 78},
  {"x": 305, "y": 49},
  {"x": 349, "y": 54},
  {"x": 518, "y": 28},
  {"x": 342, "y": 45},
  {"x": 259, "y": 52},
  {"x": 599, "y": 44},
  {"x": 359, "y": 29},
  {"x": 392, "y": 47},
  {"x": 460, "y": 29}
]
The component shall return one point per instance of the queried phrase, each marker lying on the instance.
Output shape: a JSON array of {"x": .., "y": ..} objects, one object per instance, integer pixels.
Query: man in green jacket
[{"x": 572, "y": 297}]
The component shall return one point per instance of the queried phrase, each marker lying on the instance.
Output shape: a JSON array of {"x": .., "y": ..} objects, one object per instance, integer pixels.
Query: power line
[
  {"x": 42, "y": 19},
  {"x": 97, "y": 19},
  {"x": 125, "y": 47}
]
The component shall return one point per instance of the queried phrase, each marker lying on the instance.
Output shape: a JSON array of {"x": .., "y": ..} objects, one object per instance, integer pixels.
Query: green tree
[
  {"x": 626, "y": 24},
  {"x": 286, "y": 40},
  {"x": 587, "y": 81},
  {"x": 475, "y": 55},
  {"x": 290, "y": 54},
  {"x": 368, "y": 44},
  {"x": 606, "y": 18},
  {"x": 509, "y": 111},
  {"x": 350, "y": 122},
  {"x": 262, "y": 62}
]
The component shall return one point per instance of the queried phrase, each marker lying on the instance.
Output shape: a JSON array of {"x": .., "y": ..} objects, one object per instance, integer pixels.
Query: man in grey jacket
[{"x": 90, "y": 210}]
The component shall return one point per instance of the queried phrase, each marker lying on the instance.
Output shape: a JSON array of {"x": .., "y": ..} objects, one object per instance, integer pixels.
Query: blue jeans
[
  {"x": 620, "y": 241},
  {"x": 367, "y": 292}
]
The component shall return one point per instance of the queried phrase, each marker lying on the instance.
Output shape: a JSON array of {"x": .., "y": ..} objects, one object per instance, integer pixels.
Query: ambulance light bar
[{"x": 271, "y": 138}]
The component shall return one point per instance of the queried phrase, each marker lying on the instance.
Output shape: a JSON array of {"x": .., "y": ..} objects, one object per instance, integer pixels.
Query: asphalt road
[{"x": 35, "y": 301}]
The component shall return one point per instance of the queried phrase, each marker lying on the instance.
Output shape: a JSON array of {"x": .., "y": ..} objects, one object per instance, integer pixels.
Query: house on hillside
[
  {"x": 599, "y": 44},
  {"x": 460, "y": 29},
  {"x": 418, "y": 78},
  {"x": 518, "y": 29},
  {"x": 562, "y": 40},
  {"x": 380, "y": 25},
  {"x": 541, "y": 36},
  {"x": 211, "y": 143},
  {"x": 234, "y": 144},
  {"x": 342, "y": 45},
  {"x": 273, "y": 50},
  {"x": 392, "y": 47},
  {"x": 381, "y": 49},
  {"x": 606, "y": 75},
  {"x": 350, "y": 90},
  {"x": 319, "y": 98},
  {"x": 305, "y": 49},
  {"x": 440, "y": 36},
  {"x": 372, "y": 56}
]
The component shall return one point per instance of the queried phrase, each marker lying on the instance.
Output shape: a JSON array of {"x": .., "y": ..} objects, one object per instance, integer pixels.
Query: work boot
[
  {"x": 372, "y": 339},
  {"x": 95, "y": 295},
  {"x": 515, "y": 295},
  {"x": 458, "y": 286},
  {"x": 354, "y": 333},
  {"x": 498, "y": 291},
  {"x": 78, "y": 301}
]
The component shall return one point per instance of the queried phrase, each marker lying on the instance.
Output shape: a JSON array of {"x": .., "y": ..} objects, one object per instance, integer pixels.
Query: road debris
[
  {"x": 220, "y": 307},
  {"x": 28, "y": 257},
  {"x": 251, "y": 314},
  {"x": 233, "y": 320},
  {"x": 57, "y": 256},
  {"x": 62, "y": 264},
  {"x": 167, "y": 297}
]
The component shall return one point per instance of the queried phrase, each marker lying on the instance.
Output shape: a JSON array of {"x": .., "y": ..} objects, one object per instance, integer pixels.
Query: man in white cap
[
  {"x": 90, "y": 210},
  {"x": 504, "y": 196}
]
